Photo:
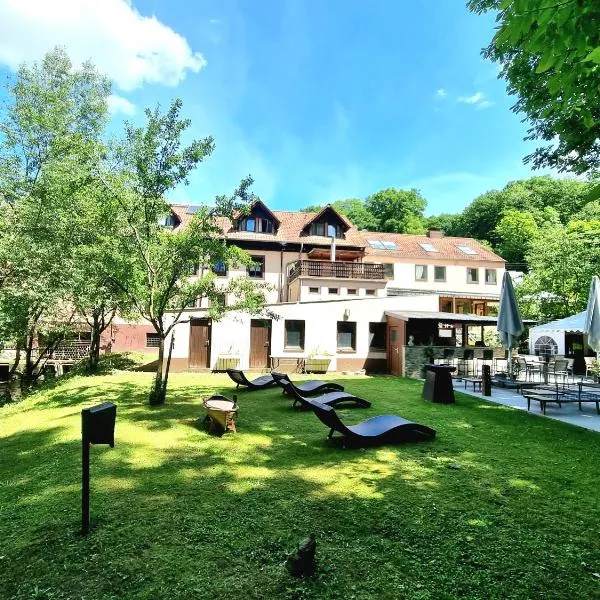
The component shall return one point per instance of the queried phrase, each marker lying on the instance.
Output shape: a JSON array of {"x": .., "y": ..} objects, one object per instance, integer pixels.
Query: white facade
[
  {"x": 231, "y": 335},
  {"x": 456, "y": 276}
]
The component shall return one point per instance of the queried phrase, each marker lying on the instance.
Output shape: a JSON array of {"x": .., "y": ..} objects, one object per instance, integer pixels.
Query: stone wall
[{"x": 415, "y": 357}]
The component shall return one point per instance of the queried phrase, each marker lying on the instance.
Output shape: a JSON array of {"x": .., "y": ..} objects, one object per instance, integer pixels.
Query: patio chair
[
  {"x": 260, "y": 383},
  {"x": 465, "y": 364},
  {"x": 329, "y": 399},
  {"x": 383, "y": 429},
  {"x": 307, "y": 388},
  {"x": 589, "y": 364},
  {"x": 561, "y": 369}
]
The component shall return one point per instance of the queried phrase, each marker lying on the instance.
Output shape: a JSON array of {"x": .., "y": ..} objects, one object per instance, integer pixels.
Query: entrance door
[
  {"x": 394, "y": 350},
  {"x": 199, "y": 344},
  {"x": 260, "y": 342}
]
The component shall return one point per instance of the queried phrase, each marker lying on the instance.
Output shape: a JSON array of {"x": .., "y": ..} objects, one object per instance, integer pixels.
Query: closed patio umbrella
[
  {"x": 592, "y": 315},
  {"x": 510, "y": 324}
]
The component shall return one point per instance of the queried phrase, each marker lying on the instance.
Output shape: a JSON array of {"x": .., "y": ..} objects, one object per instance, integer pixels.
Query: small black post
[
  {"x": 97, "y": 427},
  {"x": 487, "y": 380},
  {"x": 85, "y": 483}
]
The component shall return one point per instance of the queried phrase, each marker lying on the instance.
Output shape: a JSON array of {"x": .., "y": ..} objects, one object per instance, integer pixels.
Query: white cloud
[
  {"x": 477, "y": 99},
  {"x": 441, "y": 93},
  {"x": 474, "y": 99},
  {"x": 118, "y": 104},
  {"x": 130, "y": 48}
]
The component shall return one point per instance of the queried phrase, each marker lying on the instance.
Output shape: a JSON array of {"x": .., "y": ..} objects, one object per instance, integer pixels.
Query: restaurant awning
[{"x": 444, "y": 317}]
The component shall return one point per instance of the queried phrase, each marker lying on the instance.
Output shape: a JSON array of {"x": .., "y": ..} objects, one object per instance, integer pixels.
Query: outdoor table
[
  {"x": 438, "y": 384},
  {"x": 475, "y": 381},
  {"x": 221, "y": 412}
]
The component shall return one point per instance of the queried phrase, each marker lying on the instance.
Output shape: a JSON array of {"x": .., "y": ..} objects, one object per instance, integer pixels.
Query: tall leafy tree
[
  {"x": 399, "y": 211},
  {"x": 563, "y": 260},
  {"x": 49, "y": 141},
  {"x": 549, "y": 52},
  {"x": 160, "y": 258},
  {"x": 517, "y": 230}
]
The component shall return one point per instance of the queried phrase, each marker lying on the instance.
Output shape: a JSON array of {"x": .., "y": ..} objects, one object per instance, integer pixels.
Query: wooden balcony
[{"x": 336, "y": 270}]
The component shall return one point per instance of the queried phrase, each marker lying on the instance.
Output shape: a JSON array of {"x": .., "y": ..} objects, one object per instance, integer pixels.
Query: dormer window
[
  {"x": 327, "y": 223},
  {"x": 170, "y": 221},
  {"x": 322, "y": 228},
  {"x": 256, "y": 225},
  {"x": 259, "y": 220}
]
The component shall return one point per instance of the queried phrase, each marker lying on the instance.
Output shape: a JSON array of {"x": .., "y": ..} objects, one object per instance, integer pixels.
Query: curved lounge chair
[
  {"x": 330, "y": 399},
  {"x": 307, "y": 388},
  {"x": 260, "y": 383},
  {"x": 383, "y": 429}
]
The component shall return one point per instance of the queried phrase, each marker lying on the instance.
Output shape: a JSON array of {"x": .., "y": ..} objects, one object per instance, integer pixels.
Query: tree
[
  {"x": 544, "y": 198},
  {"x": 50, "y": 139},
  {"x": 549, "y": 51},
  {"x": 159, "y": 260},
  {"x": 480, "y": 218},
  {"x": 516, "y": 230},
  {"x": 399, "y": 211},
  {"x": 563, "y": 260},
  {"x": 446, "y": 222}
]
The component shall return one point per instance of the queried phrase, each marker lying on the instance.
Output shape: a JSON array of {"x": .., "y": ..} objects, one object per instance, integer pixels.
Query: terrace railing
[{"x": 335, "y": 270}]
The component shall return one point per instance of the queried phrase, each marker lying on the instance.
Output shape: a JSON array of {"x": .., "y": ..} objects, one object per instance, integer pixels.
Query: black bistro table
[{"x": 438, "y": 384}]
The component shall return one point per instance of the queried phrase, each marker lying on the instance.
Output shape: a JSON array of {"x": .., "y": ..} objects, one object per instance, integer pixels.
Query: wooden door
[
  {"x": 394, "y": 350},
  {"x": 260, "y": 343},
  {"x": 199, "y": 344}
]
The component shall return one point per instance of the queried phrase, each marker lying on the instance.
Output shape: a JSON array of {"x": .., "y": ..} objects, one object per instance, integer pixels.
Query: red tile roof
[
  {"x": 409, "y": 247},
  {"x": 292, "y": 224}
]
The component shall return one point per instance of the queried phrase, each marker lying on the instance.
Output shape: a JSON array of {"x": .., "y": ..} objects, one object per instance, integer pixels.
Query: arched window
[{"x": 545, "y": 346}]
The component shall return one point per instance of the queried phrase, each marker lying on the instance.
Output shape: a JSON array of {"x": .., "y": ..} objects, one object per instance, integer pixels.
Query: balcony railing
[{"x": 335, "y": 270}]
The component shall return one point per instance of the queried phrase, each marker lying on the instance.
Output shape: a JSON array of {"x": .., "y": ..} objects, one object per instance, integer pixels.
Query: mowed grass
[{"x": 501, "y": 505}]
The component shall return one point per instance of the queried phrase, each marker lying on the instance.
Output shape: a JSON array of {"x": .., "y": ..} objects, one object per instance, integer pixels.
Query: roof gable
[
  {"x": 326, "y": 213},
  {"x": 259, "y": 209}
]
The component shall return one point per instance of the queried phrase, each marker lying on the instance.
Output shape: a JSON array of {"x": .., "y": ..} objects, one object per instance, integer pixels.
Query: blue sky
[{"x": 317, "y": 100}]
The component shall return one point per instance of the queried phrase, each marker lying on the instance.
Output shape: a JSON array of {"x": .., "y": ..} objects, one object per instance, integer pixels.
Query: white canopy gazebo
[{"x": 549, "y": 339}]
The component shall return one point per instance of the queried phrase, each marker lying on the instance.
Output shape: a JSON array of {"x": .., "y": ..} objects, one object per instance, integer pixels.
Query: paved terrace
[{"x": 568, "y": 413}]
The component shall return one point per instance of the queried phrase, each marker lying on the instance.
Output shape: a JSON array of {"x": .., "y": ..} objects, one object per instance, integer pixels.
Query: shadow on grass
[{"x": 182, "y": 514}]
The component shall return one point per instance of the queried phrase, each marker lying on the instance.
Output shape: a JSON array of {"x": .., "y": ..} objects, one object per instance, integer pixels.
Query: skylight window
[
  {"x": 382, "y": 245},
  {"x": 428, "y": 247},
  {"x": 193, "y": 209},
  {"x": 466, "y": 249}
]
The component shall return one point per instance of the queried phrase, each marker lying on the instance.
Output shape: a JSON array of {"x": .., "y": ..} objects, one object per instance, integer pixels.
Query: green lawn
[{"x": 501, "y": 505}]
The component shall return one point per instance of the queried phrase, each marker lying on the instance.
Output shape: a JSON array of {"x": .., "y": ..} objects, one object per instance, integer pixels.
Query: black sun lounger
[
  {"x": 307, "y": 388},
  {"x": 260, "y": 383},
  {"x": 329, "y": 399},
  {"x": 383, "y": 429}
]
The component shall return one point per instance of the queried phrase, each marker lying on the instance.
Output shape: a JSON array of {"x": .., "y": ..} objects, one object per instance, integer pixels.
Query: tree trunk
[
  {"x": 94, "y": 352},
  {"x": 17, "y": 362},
  {"x": 158, "y": 392},
  {"x": 29, "y": 370},
  {"x": 166, "y": 378}
]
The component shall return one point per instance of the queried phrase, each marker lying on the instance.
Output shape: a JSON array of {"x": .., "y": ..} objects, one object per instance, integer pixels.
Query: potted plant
[
  {"x": 318, "y": 361},
  {"x": 594, "y": 369}
]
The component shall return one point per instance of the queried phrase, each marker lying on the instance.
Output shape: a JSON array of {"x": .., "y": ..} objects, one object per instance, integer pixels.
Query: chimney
[{"x": 434, "y": 232}]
